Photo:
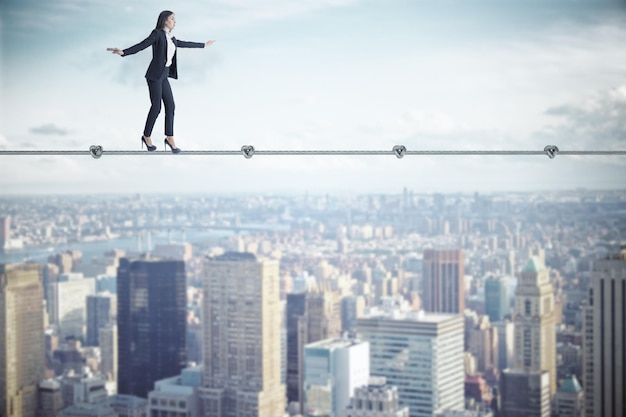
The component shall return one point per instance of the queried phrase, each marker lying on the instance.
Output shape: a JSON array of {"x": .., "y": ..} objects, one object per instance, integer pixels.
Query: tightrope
[{"x": 248, "y": 151}]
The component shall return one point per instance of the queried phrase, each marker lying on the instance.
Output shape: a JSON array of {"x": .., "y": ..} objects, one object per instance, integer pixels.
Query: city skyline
[
  {"x": 319, "y": 75},
  {"x": 235, "y": 315}
]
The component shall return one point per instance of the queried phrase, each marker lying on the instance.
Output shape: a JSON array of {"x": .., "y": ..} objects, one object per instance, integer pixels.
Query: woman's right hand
[{"x": 116, "y": 51}]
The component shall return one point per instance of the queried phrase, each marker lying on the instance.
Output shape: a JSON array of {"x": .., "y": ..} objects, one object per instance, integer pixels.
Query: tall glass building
[
  {"x": 151, "y": 323},
  {"x": 497, "y": 303}
]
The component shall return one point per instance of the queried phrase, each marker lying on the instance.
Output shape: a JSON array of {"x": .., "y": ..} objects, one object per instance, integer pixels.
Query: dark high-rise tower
[
  {"x": 151, "y": 323},
  {"x": 296, "y": 308},
  {"x": 443, "y": 281}
]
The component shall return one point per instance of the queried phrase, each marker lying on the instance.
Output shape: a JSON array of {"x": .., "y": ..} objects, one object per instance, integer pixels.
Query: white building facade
[
  {"x": 420, "y": 353},
  {"x": 333, "y": 369}
]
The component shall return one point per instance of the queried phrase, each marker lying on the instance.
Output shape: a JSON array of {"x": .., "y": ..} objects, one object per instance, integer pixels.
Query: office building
[
  {"x": 443, "y": 281},
  {"x": 50, "y": 398},
  {"x": 332, "y": 369},
  {"x": 108, "y": 351},
  {"x": 588, "y": 349},
  {"x": 21, "y": 339},
  {"x": 88, "y": 410},
  {"x": 295, "y": 310},
  {"x": 312, "y": 316},
  {"x": 483, "y": 344},
  {"x": 152, "y": 308},
  {"x": 535, "y": 331},
  {"x": 569, "y": 399},
  {"x": 525, "y": 393},
  {"x": 176, "y": 251},
  {"x": 176, "y": 396},
  {"x": 506, "y": 343},
  {"x": 421, "y": 354},
  {"x": 85, "y": 388},
  {"x": 376, "y": 399},
  {"x": 100, "y": 313},
  {"x": 605, "y": 382},
  {"x": 68, "y": 304},
  {"x": 497, "y": 303},
  {"x": 241, "y": 319},
  {"x": 129, "y": 405},
  {"x": 352, "y": 308}
]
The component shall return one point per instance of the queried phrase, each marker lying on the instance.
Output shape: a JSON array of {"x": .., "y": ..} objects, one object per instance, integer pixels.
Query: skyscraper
[
  {"x": 22, "y": 351},
  {"x": 528, "y": 387},
  {"x": 506, "y": 343},
  {"x": 483, "y": 344},
  {"x": 107, "y": 336},
  {"x": 443, "y": 281},
  {"x": 151, "y": 323},
  {"x": 68, "y": 304},
  {"x": 311, "y": 316},
  {"x": 241, "y": 337},
  {"x": 535, "y": 332},
  {"x": 333, "y": 369},
  {"x": 99, "y": 314},
  {"x": 421, "y": 354},
  {"x": 296, "y": 307},
  {"x": 606, "y": 383},
  {"x": 497, "y": 298}
]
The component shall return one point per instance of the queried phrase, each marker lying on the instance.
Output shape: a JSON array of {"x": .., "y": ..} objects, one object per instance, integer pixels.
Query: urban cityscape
[{"x": 411, "y": 304}]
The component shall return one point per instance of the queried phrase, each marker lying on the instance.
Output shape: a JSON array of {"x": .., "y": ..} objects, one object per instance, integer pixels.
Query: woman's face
[{"x": 170, "y": 22}]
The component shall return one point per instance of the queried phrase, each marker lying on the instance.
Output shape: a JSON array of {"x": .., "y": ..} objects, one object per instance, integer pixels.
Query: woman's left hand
[{"x": 208, "y": 43}]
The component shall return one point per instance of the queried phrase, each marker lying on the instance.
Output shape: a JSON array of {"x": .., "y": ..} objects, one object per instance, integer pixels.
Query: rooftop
[
  {"x": 336, "y": 343},
  {"x": 410, "y": 315},
  {"x": 570, "y": 384},
  {"x": 534, "y": 265}
]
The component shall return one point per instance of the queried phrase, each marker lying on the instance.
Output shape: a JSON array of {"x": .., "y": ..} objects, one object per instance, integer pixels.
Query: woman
[{"x": 162, "y": 66}]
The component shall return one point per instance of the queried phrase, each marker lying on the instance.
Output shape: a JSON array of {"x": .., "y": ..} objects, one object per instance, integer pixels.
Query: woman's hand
[
  {"x": 208, "y": 43},
  {"x": 116, "y": 51}
]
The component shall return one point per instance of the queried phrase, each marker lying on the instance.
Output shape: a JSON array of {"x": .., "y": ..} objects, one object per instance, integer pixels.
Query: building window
[{"x": 527, "y": 308}]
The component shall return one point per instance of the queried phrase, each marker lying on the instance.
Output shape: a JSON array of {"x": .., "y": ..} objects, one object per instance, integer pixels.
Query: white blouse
[{"x": 171, "y": 48}]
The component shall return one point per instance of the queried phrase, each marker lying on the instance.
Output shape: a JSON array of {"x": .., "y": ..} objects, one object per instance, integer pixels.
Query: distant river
[{"x": 97, "y": 249}]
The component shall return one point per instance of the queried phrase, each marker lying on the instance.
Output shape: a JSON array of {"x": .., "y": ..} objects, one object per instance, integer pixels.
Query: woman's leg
[
  {"x": 168, "y": 100},
  {"x": 156, "y": 91}
]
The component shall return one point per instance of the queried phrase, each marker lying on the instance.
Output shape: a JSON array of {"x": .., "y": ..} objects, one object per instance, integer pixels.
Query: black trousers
[{"x": 160, "y": 90}]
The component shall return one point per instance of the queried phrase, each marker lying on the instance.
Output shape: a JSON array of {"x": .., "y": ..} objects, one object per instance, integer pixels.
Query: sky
[{"x": 317, "y": 75}]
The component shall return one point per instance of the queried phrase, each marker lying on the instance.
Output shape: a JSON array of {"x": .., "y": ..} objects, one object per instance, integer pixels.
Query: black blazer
[{"x": 158, "y": 40}]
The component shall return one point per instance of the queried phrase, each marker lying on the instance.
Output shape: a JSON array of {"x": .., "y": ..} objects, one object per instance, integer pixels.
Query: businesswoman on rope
[{"x": 162, "y": 66}]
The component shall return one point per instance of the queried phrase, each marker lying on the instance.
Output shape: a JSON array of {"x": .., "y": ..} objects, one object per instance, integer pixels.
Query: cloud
[
  {"x": 597, "y": 122},
  {"x": 49, "y": 129}
]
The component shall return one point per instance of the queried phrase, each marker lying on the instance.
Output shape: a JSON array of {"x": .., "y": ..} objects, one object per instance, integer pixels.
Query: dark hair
[{"x": 162, "y": 18}]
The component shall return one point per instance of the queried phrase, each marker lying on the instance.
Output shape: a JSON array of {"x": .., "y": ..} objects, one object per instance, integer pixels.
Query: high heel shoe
[
  {"x": 150, "y": 147},
  {"x": 174, "y": 150}
]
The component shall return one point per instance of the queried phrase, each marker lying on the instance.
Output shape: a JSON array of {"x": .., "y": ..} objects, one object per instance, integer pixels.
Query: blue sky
[{"x": 318, "y": 74}]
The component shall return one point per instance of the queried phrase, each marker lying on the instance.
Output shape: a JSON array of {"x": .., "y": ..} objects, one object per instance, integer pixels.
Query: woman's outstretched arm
[
  {"x": 185, "y": 44},
  {"x": 138, "y": 47}
]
